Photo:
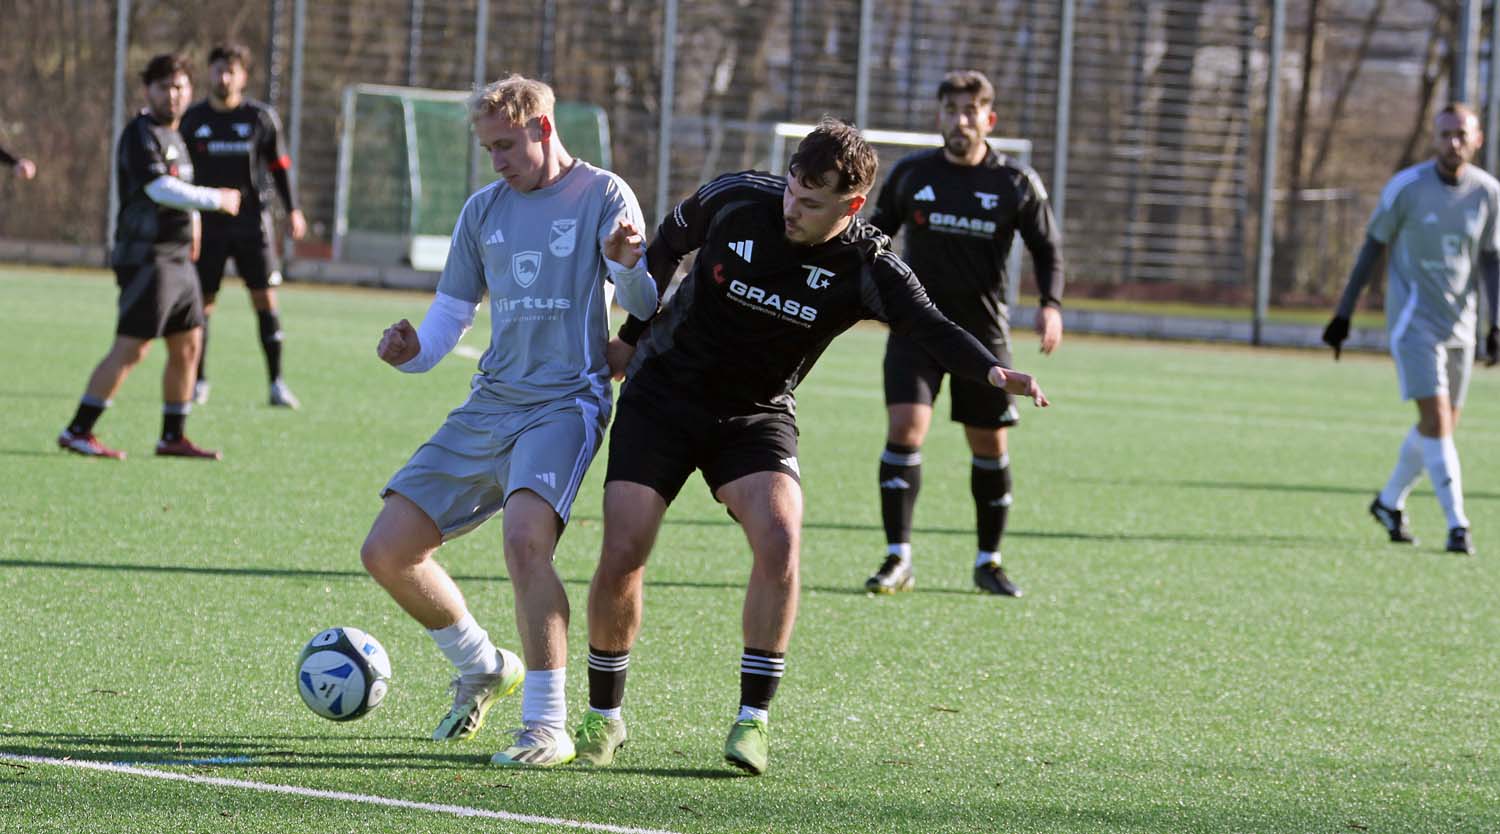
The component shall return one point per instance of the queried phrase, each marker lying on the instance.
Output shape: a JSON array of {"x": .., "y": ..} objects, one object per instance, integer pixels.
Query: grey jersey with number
[
  {"x": 539, "y": 255},
  {"x": 1434, "y": 232}
]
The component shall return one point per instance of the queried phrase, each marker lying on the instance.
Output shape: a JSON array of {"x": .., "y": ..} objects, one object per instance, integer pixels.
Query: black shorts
[
  {"x": 158, "y": 298},
  {"x": 659, "y": 438},
  {"x": 252, "y": 250},
  {"x": 912, "y": 376}
]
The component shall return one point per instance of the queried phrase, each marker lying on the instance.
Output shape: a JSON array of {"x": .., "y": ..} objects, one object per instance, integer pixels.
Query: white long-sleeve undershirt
[
  {"x": 445, "y": 323},
  {"x": 634, "y": 288},
  {"x": 179, "y": 194}
]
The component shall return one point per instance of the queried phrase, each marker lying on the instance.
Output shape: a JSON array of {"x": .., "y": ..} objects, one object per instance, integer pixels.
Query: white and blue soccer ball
[{"x": 343, "y": 673}]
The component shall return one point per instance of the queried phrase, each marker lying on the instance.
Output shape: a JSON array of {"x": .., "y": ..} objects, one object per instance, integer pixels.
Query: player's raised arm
[
  {"x": 416, "y": 350},
  {"x": 625, "y": 255},
  {"x": 892, "y": 294}
]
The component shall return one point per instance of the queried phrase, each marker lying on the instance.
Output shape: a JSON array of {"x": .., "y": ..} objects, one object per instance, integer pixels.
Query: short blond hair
[{"x": 516, "y": 98}]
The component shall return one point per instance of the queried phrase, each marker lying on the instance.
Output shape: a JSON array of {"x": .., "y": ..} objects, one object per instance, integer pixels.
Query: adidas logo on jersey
[
  {"x": 743, "y": 248},
  {"x": 925, "y": 195},
  {"x": 495, "y": 239},
  {"x": 548, "y": 478},
  {"x": 203, "y": 132},
  {"x": 791, "y": 463}
]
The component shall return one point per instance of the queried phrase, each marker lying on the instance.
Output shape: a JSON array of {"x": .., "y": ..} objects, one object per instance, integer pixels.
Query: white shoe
[
  {"x": 537, "y": 745},
  {"x": 282, "y": 396},
  {"x": 200, "y": 392}
]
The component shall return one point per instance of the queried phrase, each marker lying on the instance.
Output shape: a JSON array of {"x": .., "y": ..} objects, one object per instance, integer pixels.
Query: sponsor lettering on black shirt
[
  {"x": 242, "y": 148},
  {"x": 960, "y": 222},
  {"x": 756, "y": 311}
]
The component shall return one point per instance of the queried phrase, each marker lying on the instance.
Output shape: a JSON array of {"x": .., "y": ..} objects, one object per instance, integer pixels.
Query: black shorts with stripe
[
  {"x": 159, "y": 297},
  {"x": 661, "y": 435},
  {"x": 912, "y": 376},
  {"x": 251, "y": 247}
]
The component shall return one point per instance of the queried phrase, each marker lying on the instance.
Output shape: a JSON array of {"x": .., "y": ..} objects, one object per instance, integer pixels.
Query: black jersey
[
  {"x": 960, "y": 221},
  {"x": 240, "y": 148},
  {"x": 148, "y": 150},
  {"x": 756, "y": 311}
]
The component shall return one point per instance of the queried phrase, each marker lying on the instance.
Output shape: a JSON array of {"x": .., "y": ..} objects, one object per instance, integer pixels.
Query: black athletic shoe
[
  {"x": 991, "y": 579},
  {"x": 1458, "y": 541},
  {"x": 1394, "y": 522}
]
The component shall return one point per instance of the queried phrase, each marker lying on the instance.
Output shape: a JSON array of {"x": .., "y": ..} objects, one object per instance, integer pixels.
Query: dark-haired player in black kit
[
  {"x": 236, "y": 143},
  {"x": 962, "y": 205},
  {"x": 154, "y": 241},
  {"x": 783, "y": 267}
]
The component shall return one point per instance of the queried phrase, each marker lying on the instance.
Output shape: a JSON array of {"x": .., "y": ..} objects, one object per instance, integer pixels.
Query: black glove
[
  {"x": 1335, "y": 334},
  {"x": 1492, "y": 347}
]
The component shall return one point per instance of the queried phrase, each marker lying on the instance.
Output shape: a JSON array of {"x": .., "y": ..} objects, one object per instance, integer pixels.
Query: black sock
[
  {"x": 989, "y": 481},
  {"x": 760, "y": 673},
  {"x": 900, "y": 480},
  {"x": 173, "y": 419},
  {"x": 607, "y": 678},
  {"x": 203, "y": 353},
  {"x": 88, "y": 413},
  {"x": 270, "y": 341}
]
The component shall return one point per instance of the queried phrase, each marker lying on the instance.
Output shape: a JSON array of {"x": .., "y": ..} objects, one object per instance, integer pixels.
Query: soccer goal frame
[{"x": 1019, "y": 149}]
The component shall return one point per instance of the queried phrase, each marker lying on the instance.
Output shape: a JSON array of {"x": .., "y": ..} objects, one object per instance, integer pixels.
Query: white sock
[
  {"x": 903, "y": 550},
  {"x": 613, "y": 713},
  {"x": 987, "y": 557},
  {"x": 1441, "y": 457},
  {"x": 752, "y": 712},
  {"x": 1408, "y": 470},
  {"x": 544, "y": 699},
  {"x": 467, "y": 647}
]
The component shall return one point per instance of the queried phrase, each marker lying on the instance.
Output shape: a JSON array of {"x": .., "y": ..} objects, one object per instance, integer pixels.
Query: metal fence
[{"x": 1148, "y": 118}]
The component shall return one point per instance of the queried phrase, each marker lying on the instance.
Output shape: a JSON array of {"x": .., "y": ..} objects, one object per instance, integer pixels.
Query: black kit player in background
[
  {"x": 156, "y": 238},
  {"x": 784, "y": 265},
  {"x": 961, "y": 205},
  {"x": 236, "y": 142}
]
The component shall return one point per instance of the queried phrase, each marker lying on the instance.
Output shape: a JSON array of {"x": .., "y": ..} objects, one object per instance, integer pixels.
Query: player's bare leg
[
  {"x": 769, "y": 508},
  {"x": 532, "y": 528},
  {"x": 177, "y": 396},
  {"x": 1436, "y": 420},
  {"x": 104, "y": 381},
  {"x": 397, "y": 553},
  {"x": 632, "y": 517}
]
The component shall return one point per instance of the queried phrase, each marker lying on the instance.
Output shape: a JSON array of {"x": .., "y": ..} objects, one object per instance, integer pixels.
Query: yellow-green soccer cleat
[
  {"x": 749, "y": 745},
  {"x": 894, "y": 576},
  {"x": 598, "y": 739},
  {"x": 473, "y": 695},
  {"x": 536, "y": 745}
]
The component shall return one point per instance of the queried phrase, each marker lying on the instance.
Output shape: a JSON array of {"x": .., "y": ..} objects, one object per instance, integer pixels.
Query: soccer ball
[{"x": 343, "y": 673}]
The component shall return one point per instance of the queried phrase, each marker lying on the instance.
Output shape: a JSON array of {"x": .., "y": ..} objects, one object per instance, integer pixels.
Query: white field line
[{"x": 342, "y": 796}]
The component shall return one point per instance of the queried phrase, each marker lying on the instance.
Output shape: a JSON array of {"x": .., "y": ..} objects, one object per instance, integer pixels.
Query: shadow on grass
[
  {"x": 204, "y": 753},
  {"x": 1365, "y": 491}
]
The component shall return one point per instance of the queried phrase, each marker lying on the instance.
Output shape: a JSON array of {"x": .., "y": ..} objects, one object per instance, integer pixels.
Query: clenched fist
[{"x": 399, "y": 344}]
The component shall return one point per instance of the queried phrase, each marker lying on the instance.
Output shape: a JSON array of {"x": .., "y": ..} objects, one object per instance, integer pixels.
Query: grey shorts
[
  {"x": 468, "y": 469},
  {"x": 1426, "y": 369}
]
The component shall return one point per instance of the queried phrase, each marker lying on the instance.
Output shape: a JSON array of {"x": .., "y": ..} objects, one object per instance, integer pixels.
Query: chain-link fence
[{"x": 1146, "y": 116}]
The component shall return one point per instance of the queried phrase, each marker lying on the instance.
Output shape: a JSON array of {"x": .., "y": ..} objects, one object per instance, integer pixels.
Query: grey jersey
[
  {"x": 539, "y": 255},
  {"x": 1434, "y": 233}
]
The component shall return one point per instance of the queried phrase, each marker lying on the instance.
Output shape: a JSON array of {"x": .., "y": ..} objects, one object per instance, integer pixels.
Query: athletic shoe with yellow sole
[
  {"x": 473, "y": 695},
  {"x": 598, "y": 739}
]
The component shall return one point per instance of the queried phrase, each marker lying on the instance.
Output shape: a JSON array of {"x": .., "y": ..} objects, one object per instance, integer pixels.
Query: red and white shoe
[
  {"x": 87, "y": 445},
  {"x": 184, "y": 448}
]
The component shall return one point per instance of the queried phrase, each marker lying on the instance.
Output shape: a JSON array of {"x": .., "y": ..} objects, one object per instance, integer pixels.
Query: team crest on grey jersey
[
  {"x": 525, "y": 267},
  {"x": 564, "y": 237}
]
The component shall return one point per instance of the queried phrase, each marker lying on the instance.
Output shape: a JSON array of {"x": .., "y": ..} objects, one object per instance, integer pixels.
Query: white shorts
[
  {"x": 474, "y": 462},
  {"x": 1426, "y": 369}
]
